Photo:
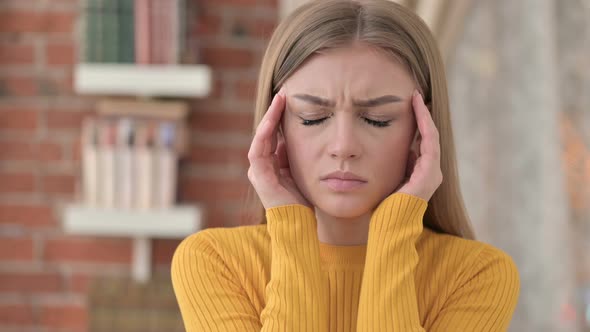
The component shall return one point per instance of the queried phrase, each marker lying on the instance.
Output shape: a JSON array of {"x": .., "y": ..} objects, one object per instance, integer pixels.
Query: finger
[
  {"x": 277, "y": 125},
  {"x": 429, "y": 143},
  {"x": 261, "y": 143},
  {"x": 274, "y": 118}
]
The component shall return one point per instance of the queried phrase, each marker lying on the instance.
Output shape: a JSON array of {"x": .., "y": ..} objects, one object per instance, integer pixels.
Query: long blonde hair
[{"x": 395, "y": 29}]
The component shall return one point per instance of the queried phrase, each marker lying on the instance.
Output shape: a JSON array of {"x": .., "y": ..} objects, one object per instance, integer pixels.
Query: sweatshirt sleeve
[
  {"x": 296, "y": 295},
  {"x": 388, "y": 296},
  {"x": 484, "y": 300},
  {"x": 209, "y": 294},
  {"x": 211, "y": 297},
  {"x": 486, "y": 297}
]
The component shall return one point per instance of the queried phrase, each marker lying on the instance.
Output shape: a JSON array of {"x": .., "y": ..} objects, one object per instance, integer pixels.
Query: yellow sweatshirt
[{"x": 279, "y": 277}]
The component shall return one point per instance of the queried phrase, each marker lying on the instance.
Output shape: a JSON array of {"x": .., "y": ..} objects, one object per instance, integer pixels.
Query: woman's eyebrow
[{"x": 358, "y": 103}]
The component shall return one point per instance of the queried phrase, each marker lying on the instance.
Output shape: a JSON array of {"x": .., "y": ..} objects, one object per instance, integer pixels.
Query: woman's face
[{"x": 348, "y": 109}]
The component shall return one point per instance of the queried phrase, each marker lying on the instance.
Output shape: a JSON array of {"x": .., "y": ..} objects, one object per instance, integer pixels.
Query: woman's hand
[
  {"x": 269, "y": 170},
  {"x": 423, "y": 175}
]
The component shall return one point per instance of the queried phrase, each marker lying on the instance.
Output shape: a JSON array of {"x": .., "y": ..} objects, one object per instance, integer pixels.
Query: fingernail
[{"x": 415, "y": 93}]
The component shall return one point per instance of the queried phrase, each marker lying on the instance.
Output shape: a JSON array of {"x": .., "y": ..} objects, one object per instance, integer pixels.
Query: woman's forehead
[{"x": 356, "y": 70}]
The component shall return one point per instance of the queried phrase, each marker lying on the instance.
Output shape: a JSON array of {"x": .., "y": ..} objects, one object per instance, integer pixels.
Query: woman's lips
[{"x": 343, "y": 185}]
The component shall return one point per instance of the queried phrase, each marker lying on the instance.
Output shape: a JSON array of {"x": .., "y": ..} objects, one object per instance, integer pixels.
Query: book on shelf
[
  {"x": 130, "y": 162},
  {"x": 126, "y": 31},
  {"x": 110, "y": 22},
  {"x": 142, "y": 31},
  {"x": 134, "y": 31}
]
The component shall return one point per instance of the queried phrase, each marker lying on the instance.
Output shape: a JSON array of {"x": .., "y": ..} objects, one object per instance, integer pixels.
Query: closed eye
[
  {"x": 312, "y": 122},
  {"x": 377, "y": 123},
  {"x": 374, "y": 123}
]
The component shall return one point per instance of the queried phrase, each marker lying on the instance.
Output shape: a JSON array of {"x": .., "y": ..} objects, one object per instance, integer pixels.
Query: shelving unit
[
  {"x": 124, "y": 65},
  {"x": 177, "y": 222},
  {"x": 147, "y": 81}
]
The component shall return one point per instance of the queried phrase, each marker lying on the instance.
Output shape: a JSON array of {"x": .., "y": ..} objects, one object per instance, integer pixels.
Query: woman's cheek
[{"x": 301, "y": 166}]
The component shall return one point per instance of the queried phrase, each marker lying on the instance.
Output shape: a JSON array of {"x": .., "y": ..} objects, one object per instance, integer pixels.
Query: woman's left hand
[{"x": 425, "y": 174}]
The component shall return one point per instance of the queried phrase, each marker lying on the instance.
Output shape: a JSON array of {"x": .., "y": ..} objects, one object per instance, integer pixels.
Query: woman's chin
[{"x": 343, "y": 208}]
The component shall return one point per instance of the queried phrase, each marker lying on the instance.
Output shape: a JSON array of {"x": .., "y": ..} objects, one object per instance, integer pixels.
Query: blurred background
[{"x": 86, "y": 87}]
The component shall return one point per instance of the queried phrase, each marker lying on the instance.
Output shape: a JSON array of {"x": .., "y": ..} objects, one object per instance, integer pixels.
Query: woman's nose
[{"x": 344, "y": 143}]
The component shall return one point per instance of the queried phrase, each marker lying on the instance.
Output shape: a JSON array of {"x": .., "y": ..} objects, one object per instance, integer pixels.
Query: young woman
[{"x": 360, "y": 232}]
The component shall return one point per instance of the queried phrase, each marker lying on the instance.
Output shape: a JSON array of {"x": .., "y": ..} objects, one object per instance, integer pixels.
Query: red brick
[
  {"x": 76, "y": 149},
  {"x": 219, "y": 57},
  {"x": 59, "y": 184},
  {"x": 256, "y": 27},
  {"x": 81, "y": 283},
  {"x": 217, "y": 85},
  {"x": 199, "y": 154},
  {"x": 25, "y": 151},
  {"x": 33, "y": 282},
  {"x": 238, "y": 2},
  {"x": 18, "y": 119},
  {"x": 99, "y": 250},
  {"x": 65, "y": 317},
  {"x": 16, "y": 249},
  {"x": 212, "y": 191},
  {"x": 56, "y": 85},
  {"x": 14, "y": 54},
  {"x": 16, "y": 314},
  {"x": 262, "y": 29},
  {"x": 66, "y": 2},
  {"x": 60, "y": 54},
  {"x": 66, "y": 119},
  {"x": 163, "y": 249},
  {"x": 19, "y": 86},
  {"x": 17, "y": 182},
  {"x": 27, "y": 215},
  {"x": 49, "y": 152},
  {"x": 41, "y": 22},
  {"x": 222, "y": 121},
  {"x": 217, "y": 216},
  {"x": 244, "y": 3},
  {"x": 246, "y": 90},
  {"x": 207, "y": 25}
]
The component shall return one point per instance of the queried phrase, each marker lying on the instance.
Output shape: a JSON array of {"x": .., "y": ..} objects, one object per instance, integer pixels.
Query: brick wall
[{"x": 45, "y": 275}]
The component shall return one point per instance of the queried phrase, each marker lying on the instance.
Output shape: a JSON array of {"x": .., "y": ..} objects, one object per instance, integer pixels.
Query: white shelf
[
  {"x": 174, "y": 223},
  {"x": 177, "y": 222},
  {"x": 142, "y": 80}
]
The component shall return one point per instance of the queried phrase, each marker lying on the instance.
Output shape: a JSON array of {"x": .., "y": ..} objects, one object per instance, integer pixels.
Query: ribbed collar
[{"x": 343, "y": 255}]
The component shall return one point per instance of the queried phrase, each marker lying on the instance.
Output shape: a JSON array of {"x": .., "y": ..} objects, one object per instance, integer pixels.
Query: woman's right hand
[{"x": 269, "y": 170}]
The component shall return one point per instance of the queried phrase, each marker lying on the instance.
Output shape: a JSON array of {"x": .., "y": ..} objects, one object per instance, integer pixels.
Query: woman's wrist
[{"x": 400, "y": 209}]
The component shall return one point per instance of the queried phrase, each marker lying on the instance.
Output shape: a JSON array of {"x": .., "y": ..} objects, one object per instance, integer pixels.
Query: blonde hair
[{"x": 394, "y": 29}]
